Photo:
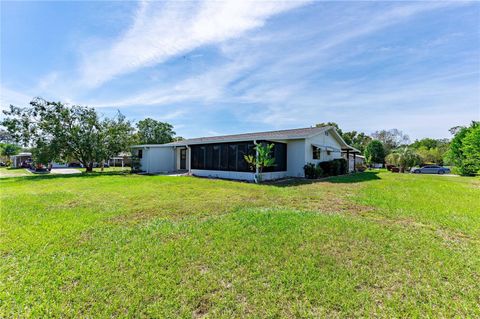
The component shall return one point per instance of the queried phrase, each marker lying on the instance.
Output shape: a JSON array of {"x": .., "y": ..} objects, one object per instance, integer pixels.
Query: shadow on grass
[
  {"x": 40, "y": 177},
  {"x": 344, "y": 179}
]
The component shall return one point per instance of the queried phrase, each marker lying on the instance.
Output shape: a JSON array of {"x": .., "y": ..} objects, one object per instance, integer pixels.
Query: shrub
[
  {"x": 335, "y": 168},
  {"x": 312, "y": 171},
  {"x": 343, "y": 166},
  {"x": 309, "y": 170},
  {"x": 318, "y": 171},
  {"x": 338, "y": 166},
  {"x": 327, "y": 168},
  {"x": 360, "y": 167}
]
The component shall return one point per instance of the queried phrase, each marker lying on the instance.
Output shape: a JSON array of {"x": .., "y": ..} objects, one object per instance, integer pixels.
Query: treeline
[
  {"x": 394, "y": 147},
  {"x": 56, "y": 132}
]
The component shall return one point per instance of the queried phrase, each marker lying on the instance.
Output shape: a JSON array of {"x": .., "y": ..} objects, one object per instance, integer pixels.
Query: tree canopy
[
  {"x": 56, "y": 131},
  {"x": 359, "y": 140},
  {"x": 374, "y": 152},
  {"x": 391, "y": 139},
  {"x": 151, "y": 131},
  {"x": 464, "y": 150},
  {"x": 8, "y": 149}
]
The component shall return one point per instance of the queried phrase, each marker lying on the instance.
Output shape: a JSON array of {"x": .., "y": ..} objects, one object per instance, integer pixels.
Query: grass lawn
[
  {"x": 375, "y": 244},
  {"x": 12, "y": 172}
]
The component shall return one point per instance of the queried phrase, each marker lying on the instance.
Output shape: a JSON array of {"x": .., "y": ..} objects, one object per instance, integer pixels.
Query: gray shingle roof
[
  {"x": 297, "y": 133},
  {"x": 291, "y": 134}
]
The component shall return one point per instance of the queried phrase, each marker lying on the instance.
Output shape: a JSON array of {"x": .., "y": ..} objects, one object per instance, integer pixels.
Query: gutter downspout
[
  {"x": 255, "y": 177},
  {"x": 174, "y": 159},
  {"x": 148, "y": 162},
  {"x": 189, "y": 162}
]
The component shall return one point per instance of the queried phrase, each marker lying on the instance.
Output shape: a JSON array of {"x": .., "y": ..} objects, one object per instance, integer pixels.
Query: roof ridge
[{"x": 261, "y": 132}]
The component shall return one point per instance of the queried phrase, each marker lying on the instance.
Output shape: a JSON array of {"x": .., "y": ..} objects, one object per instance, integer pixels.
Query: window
[
  {"x": 140, "y": 154},
  {"x": 316, "y": 152}
]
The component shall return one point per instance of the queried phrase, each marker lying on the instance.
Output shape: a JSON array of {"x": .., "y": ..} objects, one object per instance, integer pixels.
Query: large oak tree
[{"x": 59, "y": 132}]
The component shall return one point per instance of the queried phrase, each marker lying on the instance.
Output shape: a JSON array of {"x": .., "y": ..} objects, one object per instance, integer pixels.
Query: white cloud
[
  {"x": 163, "y": 30},
  {"x": 9, "y": 96}
]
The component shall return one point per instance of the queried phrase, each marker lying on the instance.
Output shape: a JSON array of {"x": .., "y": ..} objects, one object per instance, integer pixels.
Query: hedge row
[{"x": 336, "y": 167}]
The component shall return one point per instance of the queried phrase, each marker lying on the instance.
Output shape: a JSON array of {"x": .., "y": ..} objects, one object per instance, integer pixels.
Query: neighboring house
[
  {"x": 18, "y": 159},
  {"x": 121, "y": 159},
  {"x": 354, "y": 160},
  {"x": 223, "y": 156}
]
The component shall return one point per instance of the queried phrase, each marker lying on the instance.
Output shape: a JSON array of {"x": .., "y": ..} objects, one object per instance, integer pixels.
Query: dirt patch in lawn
[{"x": 322, "y": 197}]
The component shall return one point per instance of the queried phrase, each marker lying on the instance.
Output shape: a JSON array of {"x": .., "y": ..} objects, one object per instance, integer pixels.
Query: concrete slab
[{"x": 65, "y": 171}]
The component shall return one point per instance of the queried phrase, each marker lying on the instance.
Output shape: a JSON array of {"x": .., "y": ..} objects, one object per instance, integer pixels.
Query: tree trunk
[{"x": 89, "y": 168}]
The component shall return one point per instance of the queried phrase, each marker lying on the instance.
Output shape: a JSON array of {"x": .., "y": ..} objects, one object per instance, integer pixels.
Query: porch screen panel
[
  {"x": 222, "y": 156},
  {"x": 215, "y": 157},
  {"x": 201, "y": 157},
  {"x": 241, "y": 152},
  {"x": 279, "y": 152},
  {"x": 209, "y": 157},
  {"x": 232, "y": 157}
]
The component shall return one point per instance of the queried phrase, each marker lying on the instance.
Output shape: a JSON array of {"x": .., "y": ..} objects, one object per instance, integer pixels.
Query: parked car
[
  {"x": 26, "y": 164},
  {"x": 73, "y": 164},
  {"x": 430, "y": 169},
  {"x": 3, "y": 164}
]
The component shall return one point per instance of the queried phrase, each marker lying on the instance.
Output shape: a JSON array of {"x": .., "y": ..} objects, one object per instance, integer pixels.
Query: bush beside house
[{"x": 335, "y": 167}]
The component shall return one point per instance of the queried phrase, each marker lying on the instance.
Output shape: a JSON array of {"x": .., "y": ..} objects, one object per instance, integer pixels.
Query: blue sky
[{"x": 230, "y": 67}]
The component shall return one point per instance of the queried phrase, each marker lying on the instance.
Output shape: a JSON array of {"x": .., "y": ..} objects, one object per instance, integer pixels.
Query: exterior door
[{"x": 183, "y": 158}]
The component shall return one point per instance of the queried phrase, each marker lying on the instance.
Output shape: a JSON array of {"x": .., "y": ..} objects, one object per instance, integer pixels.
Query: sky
[{"x": 212, "y": 68}]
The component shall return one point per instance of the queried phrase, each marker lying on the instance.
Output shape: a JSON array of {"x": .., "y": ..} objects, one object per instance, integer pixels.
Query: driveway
[{"x": 65, "y": 171}]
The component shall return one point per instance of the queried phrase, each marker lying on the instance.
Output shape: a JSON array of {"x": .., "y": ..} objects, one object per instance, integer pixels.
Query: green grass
[
  {"x": 12, "y": 172},
  {"x": 375, "y": 244}
]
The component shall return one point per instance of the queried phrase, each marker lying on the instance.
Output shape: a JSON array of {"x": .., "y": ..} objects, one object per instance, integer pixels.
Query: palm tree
[
  {"x": 404, "y": 158},
  {"x": 262, "y": 159}
]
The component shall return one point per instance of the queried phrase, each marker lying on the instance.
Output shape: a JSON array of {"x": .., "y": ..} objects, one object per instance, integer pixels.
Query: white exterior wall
[
  {"x": 158, "y": 160},
  {"x": 243, "y": 176},
  {"x": 296, "y": 158},
  {"x": 275, "y": 175},
  {"x": 322, "y": 140}
]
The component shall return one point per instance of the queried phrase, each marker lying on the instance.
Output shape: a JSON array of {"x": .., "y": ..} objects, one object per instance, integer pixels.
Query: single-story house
[{"x": 223, "y": 156}]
